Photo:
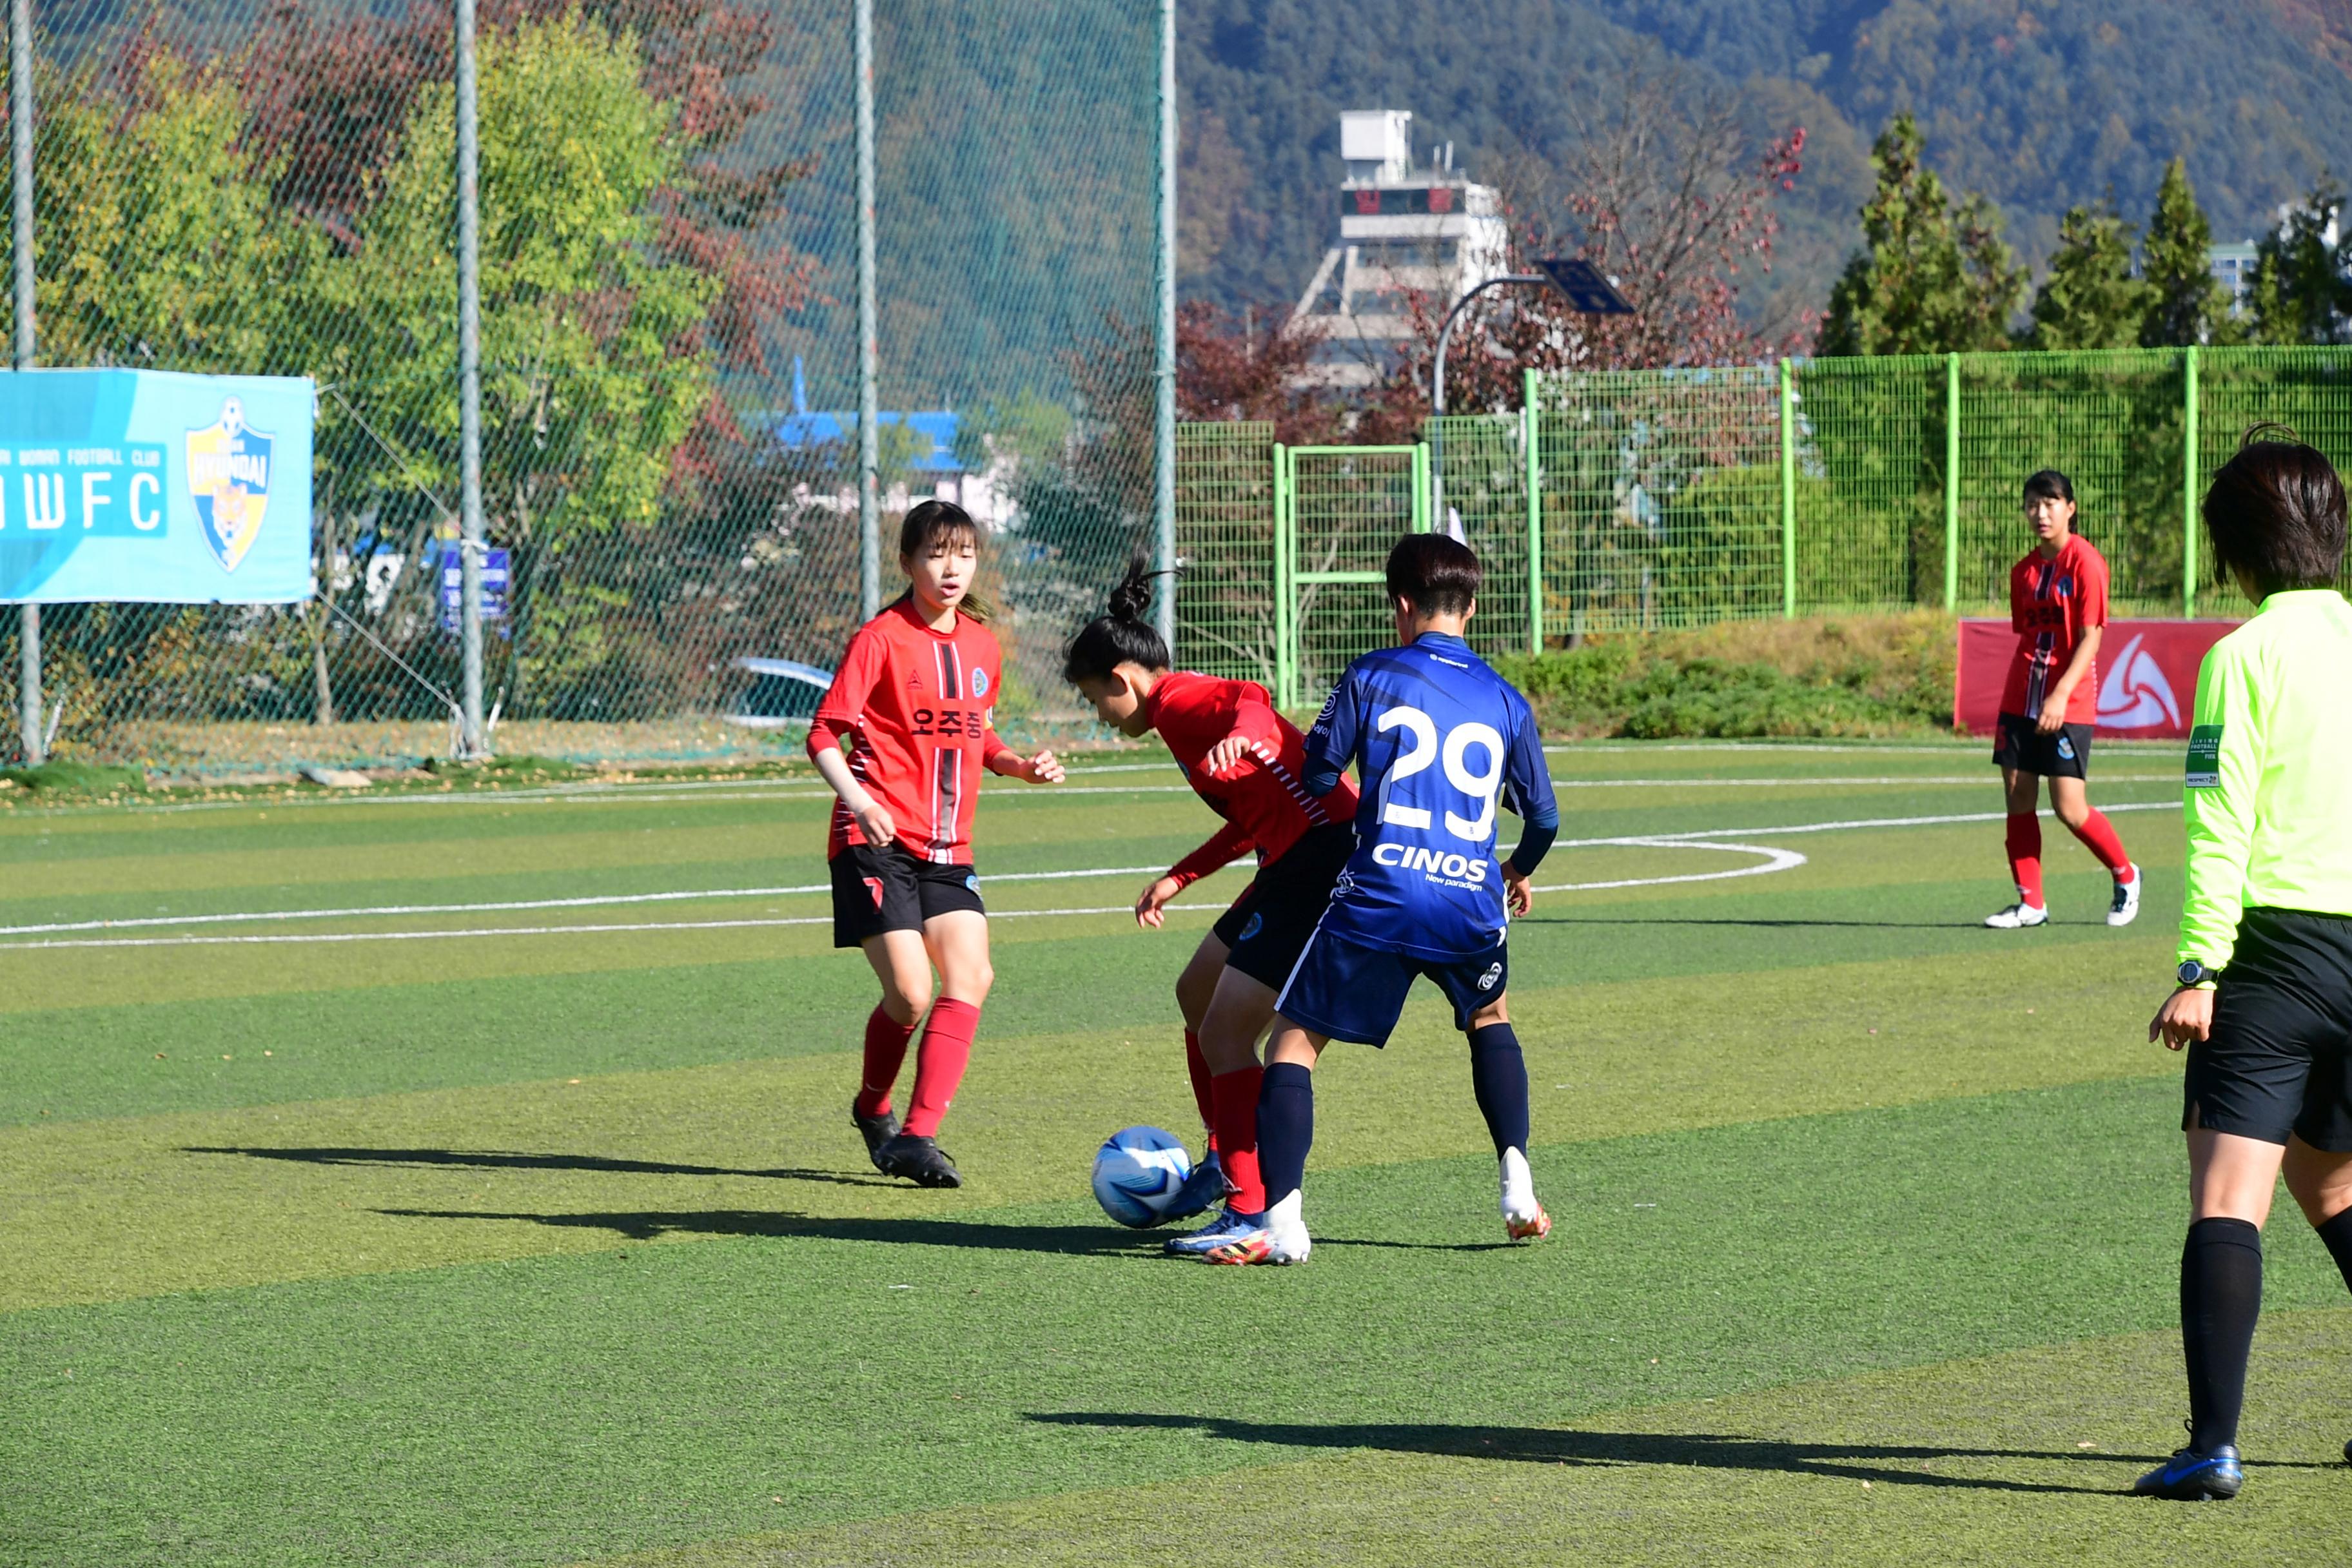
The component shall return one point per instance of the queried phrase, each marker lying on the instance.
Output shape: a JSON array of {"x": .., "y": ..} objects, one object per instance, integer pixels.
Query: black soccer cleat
[
  {"x": 2192, "y": 1476},
  {"x": 918, "y": 1159},
  {"x": 878, "y": 1128}
]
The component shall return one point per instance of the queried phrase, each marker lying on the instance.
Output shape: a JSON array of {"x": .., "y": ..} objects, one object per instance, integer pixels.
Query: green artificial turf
[{"x": 548, "y": 1246}]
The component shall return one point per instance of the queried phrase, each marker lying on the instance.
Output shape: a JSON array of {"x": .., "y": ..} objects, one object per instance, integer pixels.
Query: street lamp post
[
  {"x": 1437, "y": 519},
  {"x": 1588, "y": 293}
]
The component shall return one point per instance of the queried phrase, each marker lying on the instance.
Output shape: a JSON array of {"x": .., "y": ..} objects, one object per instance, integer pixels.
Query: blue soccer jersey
[{"x": 1438, "y": 741}]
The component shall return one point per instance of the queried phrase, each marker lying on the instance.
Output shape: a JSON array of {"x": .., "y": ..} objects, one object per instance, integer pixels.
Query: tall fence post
[
  {"x": 1424, "y": 515},
  {"x": 1787, "y": 492},
  {"x": 471, "y": 741},
  {"x": 1286, "y": 602},
  {"x": 869, "y": 461},
  {"x": 2188, "y": 482},
  {"x": 20, "y": 147},
  {"x": 1951, "y": 483},
  {"x": 1163, "y": 424},
  {"x": 1529, "y": 426}
]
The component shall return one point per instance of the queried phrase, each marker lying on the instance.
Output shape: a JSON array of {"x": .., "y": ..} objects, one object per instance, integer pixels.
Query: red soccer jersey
[
  {"x": 2053, "y": 601},
  {"x": 1264, "y": 804},
  {"x": 915, "y": 706}
]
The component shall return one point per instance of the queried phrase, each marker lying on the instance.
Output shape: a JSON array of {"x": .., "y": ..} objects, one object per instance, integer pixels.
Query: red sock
[
  {"x": 1237, "y": 1094},
  {"x": 2025, "y": 855},
  {"x": 939, "y": 1063},
  {"x": 2098, "y": 835},
  {"x": 886, "y": 1049},
  {"x": 1197, "y": 1065}
]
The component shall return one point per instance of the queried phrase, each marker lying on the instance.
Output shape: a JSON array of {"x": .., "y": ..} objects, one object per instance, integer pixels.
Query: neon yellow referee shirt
[{"x": 2269, "y": 788}]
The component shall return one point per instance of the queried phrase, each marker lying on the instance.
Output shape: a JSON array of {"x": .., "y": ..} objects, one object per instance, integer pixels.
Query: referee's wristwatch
[{"x": 2195, "y": 974}]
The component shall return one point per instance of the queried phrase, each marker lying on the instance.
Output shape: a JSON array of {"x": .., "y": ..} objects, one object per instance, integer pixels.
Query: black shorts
[
  {"x": 1269, "y": 925},
  {"x": 2062, "y": 754},
  {"x": 2280, "y": 1058},
  {"x": 875, "y": 890}
]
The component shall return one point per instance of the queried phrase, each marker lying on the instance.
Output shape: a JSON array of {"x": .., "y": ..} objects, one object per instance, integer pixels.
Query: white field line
[
  {"x": 1778, "y": 860},
  {"x": 595, "y": 901},
  {"x": 1714, "y": 839}
]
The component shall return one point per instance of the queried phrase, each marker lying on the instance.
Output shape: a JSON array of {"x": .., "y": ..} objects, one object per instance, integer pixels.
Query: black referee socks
[
  {"x": 1498, "y": 1076},
  {"x": 2221, "y": 1296},
  {"x": 2337, "y": 1232}
]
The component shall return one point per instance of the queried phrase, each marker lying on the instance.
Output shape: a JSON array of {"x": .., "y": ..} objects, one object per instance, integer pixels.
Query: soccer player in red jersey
[
  {"x": 2058, "y": 602},
  {"x": 913, "y": 700},
  {"x": 1242, "y": 759}
]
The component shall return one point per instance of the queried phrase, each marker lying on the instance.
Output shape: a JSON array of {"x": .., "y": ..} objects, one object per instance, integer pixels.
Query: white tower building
[{"x": 1402, "y": 230}]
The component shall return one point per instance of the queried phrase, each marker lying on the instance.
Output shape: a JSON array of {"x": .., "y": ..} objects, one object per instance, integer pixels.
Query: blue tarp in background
[{"x": 152, "y": 486}]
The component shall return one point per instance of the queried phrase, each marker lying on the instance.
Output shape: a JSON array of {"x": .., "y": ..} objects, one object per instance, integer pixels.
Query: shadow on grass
[
  {"x": 1555, "y": 1446},
  {"x": 652, "y": 1225},
  {"x": 497, "y": 1160}
]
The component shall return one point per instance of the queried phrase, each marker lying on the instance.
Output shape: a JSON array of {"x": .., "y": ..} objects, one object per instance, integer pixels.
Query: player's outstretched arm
[{"x": 1043, "y": 768}]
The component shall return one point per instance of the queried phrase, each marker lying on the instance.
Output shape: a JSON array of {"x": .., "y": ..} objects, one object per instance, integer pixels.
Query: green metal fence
[{"x": 1649, "y": 499}]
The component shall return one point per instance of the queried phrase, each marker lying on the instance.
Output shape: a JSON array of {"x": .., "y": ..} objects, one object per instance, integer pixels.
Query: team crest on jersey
[
  {"x": 228, "y": 476},
  {"x": 1487, "y": 981},
  {"x": 2065, "y": 749},
  {"x": 980, "y": 683}
]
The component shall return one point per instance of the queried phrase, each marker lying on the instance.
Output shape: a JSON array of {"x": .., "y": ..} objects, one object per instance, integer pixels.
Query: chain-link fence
[
  {"x": 668, "y": 345},
  {"x": 1672, "y": 497}
]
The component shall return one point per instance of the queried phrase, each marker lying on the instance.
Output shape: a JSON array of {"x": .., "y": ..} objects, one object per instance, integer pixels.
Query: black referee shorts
[{"x": 2280, "y": 1058}]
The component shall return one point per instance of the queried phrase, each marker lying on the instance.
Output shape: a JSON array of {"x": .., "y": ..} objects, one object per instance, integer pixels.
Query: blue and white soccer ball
[{"x": 1139, "y": 1171}]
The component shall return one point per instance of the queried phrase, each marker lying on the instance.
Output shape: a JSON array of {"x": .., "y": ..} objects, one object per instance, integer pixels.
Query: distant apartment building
[
  {"x": 2233, "y": 264},
  {"x": 1403, "y": 230}
]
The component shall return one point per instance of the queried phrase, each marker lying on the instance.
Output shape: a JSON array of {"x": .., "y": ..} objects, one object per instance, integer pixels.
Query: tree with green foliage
[
  {"x": 590, "y": 370},
  {"x": 2091, "y": 298},
  {"x": 157, "y": 241},
  {"x": 2301, "y": 291},
  {"x": 2187, "y": 304},
  {"x": 1932, "y": 277}
]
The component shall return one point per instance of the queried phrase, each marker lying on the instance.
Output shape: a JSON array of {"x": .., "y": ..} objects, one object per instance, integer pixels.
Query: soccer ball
[{"x": 1138, "y": 1171}]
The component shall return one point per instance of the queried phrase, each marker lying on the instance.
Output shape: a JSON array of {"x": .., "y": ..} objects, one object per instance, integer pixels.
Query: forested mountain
[{"x": 2039, "y": 105}]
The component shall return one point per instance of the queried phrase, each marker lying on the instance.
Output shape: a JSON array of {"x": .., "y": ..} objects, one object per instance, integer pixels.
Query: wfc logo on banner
[
  {"x": 2146, "y": 674},
  {"x": 148, "y": 486}
]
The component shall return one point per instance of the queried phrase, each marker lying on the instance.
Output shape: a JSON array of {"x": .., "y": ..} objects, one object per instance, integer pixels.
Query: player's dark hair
[
  {"x": 2275, "y": 511},
  {"x": 930, "y": 524},
  {"x": 1439, "y": 575},
  {"x": 2049, "y": 485},
  {"x": 1122, "y": 636}
]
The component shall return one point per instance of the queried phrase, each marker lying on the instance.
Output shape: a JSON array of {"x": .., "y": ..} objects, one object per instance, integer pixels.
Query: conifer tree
[
  {"x": 1929, "y": 279},
  {"x": 2187, "y": 304},
  {"x": 2301, "y": 294},
  {"x": 2091, "y": 298}
]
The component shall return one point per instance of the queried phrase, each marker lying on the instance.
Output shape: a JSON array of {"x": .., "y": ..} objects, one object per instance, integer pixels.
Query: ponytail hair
[
  {"x": 1122, "y": 635},
  {"x": 923, "y": 528}
]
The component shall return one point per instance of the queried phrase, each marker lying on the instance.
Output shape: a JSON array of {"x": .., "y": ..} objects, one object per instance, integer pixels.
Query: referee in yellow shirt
[{"x": 2264, "y": 1004}]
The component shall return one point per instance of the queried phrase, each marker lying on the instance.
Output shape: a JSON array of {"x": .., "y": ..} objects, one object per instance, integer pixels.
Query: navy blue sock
[
  {"x": 1286, "y": 1128},
  {"x": 1498, "y": 1075},
  {"x": 2221, "y": 1296}
]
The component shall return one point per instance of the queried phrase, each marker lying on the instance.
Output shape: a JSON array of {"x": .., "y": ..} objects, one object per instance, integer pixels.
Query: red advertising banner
[{"x": 2148, "y": 675}]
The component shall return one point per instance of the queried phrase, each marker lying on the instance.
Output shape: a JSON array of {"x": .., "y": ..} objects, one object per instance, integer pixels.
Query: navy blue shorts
[{"x": 1349, "y": 990}]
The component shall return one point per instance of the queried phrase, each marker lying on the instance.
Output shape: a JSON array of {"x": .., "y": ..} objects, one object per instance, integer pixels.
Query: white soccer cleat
[
  {"x": 2126, "y": 908},
  {"x": 1523, "y": 1219},
  {"x": 2018, "y": 916},
  {"x": 1281, "y": 1239}
]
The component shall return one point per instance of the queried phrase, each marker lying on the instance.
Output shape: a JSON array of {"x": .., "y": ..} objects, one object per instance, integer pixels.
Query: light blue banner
[{"x": 152, "y": 486}]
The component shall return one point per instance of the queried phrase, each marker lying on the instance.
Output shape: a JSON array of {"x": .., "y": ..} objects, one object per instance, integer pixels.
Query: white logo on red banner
[{"x": 2136, "y": 695}]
